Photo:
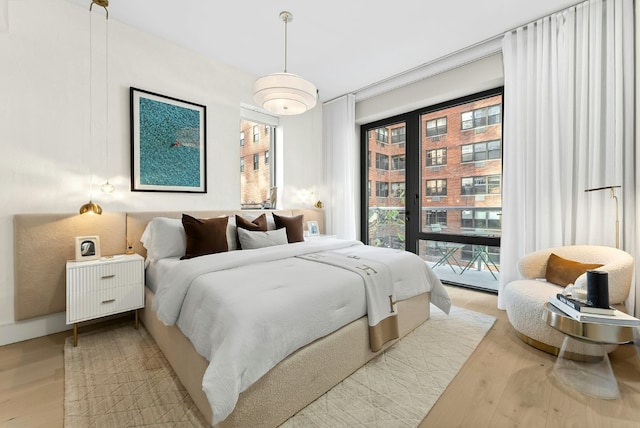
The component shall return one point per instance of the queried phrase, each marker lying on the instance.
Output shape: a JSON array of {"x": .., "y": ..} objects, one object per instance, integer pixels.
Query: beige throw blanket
[{"x": 378, "y": 285}]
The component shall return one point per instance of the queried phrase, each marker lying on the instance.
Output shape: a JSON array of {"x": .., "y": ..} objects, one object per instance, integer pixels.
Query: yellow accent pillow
[{"x": 564, "y": 272}]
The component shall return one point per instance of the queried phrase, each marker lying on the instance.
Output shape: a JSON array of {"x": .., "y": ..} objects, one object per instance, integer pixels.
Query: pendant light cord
[{"x": 286, "y": 21}]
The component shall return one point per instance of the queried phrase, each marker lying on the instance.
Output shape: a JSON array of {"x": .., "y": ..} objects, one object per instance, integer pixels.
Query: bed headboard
[{"x": 44, "y": 242}]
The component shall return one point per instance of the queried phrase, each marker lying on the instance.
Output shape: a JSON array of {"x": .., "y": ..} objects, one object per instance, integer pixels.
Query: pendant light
[
  {"x": 106, "y": 187},
  {"x": 91, "y": 207},
  {"x": 285, "y": 93}
]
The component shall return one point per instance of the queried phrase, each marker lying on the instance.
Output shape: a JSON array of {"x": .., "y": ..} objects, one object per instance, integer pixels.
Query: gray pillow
[{"x": 250, "y": 240}]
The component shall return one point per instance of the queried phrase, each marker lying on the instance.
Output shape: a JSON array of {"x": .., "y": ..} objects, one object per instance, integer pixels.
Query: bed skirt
[{"x": 296, "y": 381}]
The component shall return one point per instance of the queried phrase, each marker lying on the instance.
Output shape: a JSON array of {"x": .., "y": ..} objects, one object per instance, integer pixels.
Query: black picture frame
[{"x": 168, "y": 144}]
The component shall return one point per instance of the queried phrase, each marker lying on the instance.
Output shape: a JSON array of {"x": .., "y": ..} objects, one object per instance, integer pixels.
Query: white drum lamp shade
[{"x": 284, "y": 93}]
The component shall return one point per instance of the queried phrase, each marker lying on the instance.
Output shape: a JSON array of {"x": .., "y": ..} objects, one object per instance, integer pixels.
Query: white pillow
[
  {"x": 164, "y": 237},
  {"x": 232, "y": 235},
  {"x": 250, "y": 240}
]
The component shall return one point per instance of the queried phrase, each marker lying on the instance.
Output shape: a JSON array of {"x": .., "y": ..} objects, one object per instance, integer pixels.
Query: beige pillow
[
  {"x": 564, "y": 272},
  {"x": 205, "y": 236}
]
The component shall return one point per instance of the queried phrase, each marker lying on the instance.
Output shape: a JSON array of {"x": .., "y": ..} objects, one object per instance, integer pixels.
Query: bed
[
  {"x": 304, "y": 375},
  {"x": 246, "y": 382}
]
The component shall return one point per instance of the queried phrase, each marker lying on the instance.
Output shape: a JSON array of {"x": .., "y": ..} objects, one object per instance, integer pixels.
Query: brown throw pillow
[
  {"x": 204, "y": 236},
  {"x": 293, "y": 226},
  {"x": 564, "y": 272},
  {"x": 258, "y": 224}
]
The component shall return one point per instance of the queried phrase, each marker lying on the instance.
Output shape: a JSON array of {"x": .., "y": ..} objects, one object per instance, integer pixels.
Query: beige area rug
[{"x": 117, "y": 377}]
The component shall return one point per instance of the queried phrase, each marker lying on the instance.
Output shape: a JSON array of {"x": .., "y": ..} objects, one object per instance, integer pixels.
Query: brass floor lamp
[{"x": 614, "y": 197}]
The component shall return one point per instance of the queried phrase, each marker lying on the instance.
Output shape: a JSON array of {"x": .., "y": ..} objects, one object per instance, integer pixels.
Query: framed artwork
[
  {"x": 87, "y": 248},
  {"x": 168, "y": 144},
  {"x": 312, "y": 227}
]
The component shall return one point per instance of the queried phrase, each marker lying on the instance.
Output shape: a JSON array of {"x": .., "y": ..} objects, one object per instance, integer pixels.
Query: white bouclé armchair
[{"x": 524, "y": 299}]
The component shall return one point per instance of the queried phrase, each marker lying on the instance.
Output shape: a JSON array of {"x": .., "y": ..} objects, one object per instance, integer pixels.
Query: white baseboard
[{"x": 30, "y": 329}]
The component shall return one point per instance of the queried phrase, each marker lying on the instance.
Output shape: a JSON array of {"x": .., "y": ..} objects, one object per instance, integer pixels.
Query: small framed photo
[
  {"x": 312, "y": 227},
  {"x": 87, "y": 248}
]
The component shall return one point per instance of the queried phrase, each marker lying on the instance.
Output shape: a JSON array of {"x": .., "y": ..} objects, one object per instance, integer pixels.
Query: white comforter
[{"x": 245, "y": 311}]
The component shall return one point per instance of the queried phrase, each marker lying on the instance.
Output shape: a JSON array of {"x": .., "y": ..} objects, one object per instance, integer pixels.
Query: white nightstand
[{"x": 107, "y": 286}]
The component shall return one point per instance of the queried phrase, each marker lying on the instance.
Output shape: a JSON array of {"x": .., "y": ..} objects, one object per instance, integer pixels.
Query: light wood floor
[{"x": 505, "y": 383}]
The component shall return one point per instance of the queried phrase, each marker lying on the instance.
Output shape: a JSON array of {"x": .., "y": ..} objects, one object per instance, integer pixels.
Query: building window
[
  {"x": 256, "y": 133},
  {"x": 241, "y": 164},
  {"x": 482, "y": 117},
  {"x": 266, "y": 157},
  {"x": 397, "y": 162},
  {"x": 481, "y": 151},
  {"x": 242, "y": 138},
  {"x": 398, "y": 135},
  {"x": 267, "y": 130},
  {"x": 436, "y": 157},
  {"x": 436, "y": 217},
  {"x": 382, "y": 189},
  {"x": 382, "y": 161},
  {"x": 256, "y": 162},
  {"x": 397, "y": 190},
  {"x": 482, "y": 185},
  {"x": 436, "y": 127},
  {"x": 436, "y": 187},
  {"x": 382, "y": 135},
  {"x": 481, "y": 219}
]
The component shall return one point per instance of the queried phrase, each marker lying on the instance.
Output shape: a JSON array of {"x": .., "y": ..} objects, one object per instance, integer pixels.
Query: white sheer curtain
[
  {"x": 568, "y": 126},
  {"x": 340, "y": 166}
]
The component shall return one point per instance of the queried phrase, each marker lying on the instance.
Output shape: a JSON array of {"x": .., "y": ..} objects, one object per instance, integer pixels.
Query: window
[
  {"x": 436, "y": 187},
  {"x": 482, "y": 117},
  {"x": 397, "y": 190},
  {"x": 481, "y": 219},
  {"x": 436, "y": 157},
  {"x": 482, "y": 185},
  {"x": 436, "y": 217},
  {"x": 382, "y": 161},
  {"x": 256, "y": 181},
  {"x": 382, "y": 189},
  {"x": 481, "y": 151},
  {"x": 382, "y": 135},
  {"x": 397, "y": 162},
  {"x": 436, "y": 127},
  {"x": 398, "y": 135}
]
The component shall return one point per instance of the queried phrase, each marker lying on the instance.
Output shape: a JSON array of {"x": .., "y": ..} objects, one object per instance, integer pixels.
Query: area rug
[{"x": 118, "y": 377}]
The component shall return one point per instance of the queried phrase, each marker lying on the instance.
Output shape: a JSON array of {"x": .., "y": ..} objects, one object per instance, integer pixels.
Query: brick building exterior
[
  {"x": 255, "y": 164},
  {"x": 461, "y": 173}
]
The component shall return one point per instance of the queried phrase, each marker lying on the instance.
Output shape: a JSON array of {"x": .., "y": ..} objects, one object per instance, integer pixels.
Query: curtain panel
[
  {"x": 340, "y": 157},
  {"x": 569, "y": 126}
]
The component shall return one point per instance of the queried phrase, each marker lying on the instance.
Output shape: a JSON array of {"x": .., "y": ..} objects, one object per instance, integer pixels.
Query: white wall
[
  {"x": 44, "y": 121},
  {"x": 465, "y": 80}
]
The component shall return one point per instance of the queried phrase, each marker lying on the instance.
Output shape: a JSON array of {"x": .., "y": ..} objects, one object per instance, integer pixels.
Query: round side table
[{"x": 583, "y": 363}]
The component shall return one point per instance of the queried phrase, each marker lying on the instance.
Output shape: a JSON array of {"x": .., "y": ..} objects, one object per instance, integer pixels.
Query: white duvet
[{"x": 245, "y": 311}]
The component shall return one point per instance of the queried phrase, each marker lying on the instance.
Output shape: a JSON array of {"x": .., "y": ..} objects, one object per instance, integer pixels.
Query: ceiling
[{"x": 340, "y": 46}]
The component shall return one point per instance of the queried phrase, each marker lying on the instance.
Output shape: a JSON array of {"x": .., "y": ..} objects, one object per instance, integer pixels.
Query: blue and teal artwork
[{"x": 171, "y": 141}]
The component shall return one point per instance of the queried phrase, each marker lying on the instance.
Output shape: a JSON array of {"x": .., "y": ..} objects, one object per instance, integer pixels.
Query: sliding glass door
[{"x": 449, "y": 202}]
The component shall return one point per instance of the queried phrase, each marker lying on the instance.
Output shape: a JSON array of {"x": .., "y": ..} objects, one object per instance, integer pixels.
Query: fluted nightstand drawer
[{"x": 104, "y": 287}]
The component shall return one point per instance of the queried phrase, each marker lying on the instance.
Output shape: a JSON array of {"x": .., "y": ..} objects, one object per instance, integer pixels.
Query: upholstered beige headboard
[
  {"x": 137, "y": 221},
  {"x": 44, "y": 242}
]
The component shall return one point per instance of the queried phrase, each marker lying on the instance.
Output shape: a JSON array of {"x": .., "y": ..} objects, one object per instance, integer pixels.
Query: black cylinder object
[{"x": 597, "y": 289}]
